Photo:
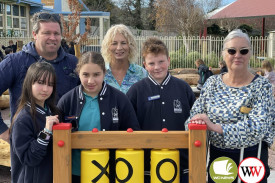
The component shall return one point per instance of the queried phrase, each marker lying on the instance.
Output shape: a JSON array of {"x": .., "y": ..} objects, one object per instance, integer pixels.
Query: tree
[
  {"x": 72, "y": 22},
  {"x": 131, "y": 11},
  {"x": 185, "y": 17},
  {"x": 106, "y": 6}
]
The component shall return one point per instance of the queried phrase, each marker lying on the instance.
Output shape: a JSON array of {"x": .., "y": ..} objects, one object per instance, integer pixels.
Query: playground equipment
[{"x": 64, "y": 141}]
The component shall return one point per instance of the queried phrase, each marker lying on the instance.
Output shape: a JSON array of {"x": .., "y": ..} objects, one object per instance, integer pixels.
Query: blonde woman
[{"x": 119, "y": 51}]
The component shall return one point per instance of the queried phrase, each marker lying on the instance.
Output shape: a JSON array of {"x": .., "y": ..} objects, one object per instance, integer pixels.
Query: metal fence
[{"x": 183, "y": 51}]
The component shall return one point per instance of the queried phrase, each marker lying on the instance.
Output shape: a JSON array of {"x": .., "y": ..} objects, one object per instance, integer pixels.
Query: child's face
[
  {"x": 42, "y": 90},
  {"x": 157, "y": 66},
  {"x": 91, "y": 76}
]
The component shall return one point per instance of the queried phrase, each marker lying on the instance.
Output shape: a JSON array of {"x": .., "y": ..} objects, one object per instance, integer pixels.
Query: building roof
[
  {"x": 246, "y": 9},
  {"x": 31, "y": 2}
]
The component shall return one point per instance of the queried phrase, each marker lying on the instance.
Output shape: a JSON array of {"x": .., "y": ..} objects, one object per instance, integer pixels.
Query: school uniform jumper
[
  {"x": 116, "y": 112},
  {"x": 31, "y": 157},
  {"x": 165, "y": 105}
]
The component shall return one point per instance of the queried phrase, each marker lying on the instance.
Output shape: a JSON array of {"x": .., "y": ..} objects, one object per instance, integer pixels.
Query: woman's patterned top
[
  {"x": 222, "y": 105},
  {"x": 133, "y": 75}
]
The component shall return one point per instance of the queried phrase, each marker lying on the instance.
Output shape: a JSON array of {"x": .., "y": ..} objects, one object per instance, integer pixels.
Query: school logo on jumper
[
  {"x": 251, "y": 170},
  {"x": 177, "y": 106},
  {"x": 115, "y": 115},
  {"x": 223, "y": 170}
]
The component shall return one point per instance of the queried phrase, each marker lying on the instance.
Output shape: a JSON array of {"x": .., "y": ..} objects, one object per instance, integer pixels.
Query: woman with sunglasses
[{"x": 236, "y": 107}]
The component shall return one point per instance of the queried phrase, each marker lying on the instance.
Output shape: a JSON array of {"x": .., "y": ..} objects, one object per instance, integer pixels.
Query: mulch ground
[{"x": 5, "y": 176}]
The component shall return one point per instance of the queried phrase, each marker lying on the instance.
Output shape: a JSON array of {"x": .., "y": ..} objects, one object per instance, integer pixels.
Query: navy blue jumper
[
  {"x": 31, "y": 157},
  {"x": 14, "y": 68},
  {"x": 116, "y": 111},
  {"x": 165, "y": 105}
]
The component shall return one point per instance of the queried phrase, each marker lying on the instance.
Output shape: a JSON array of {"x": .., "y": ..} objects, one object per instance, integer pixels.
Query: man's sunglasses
[
  {"x": 47, "y": 16},
  {"x": 233, "y": 51}
]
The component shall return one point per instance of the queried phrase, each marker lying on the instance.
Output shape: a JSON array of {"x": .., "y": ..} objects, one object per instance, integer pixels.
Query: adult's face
[
  {"x": 119, "y": 48},
  {"x": 48, "y": 39},
  {"x": 237, "y": 60}
]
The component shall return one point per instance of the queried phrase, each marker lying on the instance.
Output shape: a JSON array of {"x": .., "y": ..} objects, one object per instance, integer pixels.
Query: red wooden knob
[
  {"x": 95, "y": 130},
  {"x": 60, "y": 143},
  {"x": 197, "y": 143},
  {"x": 129, "y": 130},
  {"x": 164, "y": 130}
]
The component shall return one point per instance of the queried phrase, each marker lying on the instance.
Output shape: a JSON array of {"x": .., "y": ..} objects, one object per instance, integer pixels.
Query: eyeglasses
[
  {"x": 47, "y": 16},
  {"x": 232, "y": 51}
]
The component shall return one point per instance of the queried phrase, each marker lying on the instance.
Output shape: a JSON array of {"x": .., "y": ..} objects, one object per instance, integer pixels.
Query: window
[
  {"x": 23, "y": 11},
  {"x": 1, "y": 21},
  {"x": 8, "y": 9},
  {"x": 23, "y": 23},
  {"x": 1, "y": 14},
  {"x": 9, "y": 23},
  {"x": 2, "y": 10},
  {"x": 15, "y": 22},
  {"x": 15, "y": 10},
  {"x": 16, "y": 19}
]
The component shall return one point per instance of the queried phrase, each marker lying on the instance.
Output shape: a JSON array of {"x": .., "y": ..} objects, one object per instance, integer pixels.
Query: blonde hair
[
  {"x": 267, "y": 65},
  {"x": 109, "y": 37}
]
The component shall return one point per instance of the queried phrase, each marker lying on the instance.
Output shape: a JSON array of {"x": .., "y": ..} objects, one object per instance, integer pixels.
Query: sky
[{"x": 226, "y": 2}]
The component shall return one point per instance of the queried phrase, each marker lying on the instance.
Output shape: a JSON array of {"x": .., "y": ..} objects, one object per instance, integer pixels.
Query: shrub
[
  {"x": 191, "y": 58},
  {"x": 211, "y": 60},
  {"x": 177, "y": 58}
]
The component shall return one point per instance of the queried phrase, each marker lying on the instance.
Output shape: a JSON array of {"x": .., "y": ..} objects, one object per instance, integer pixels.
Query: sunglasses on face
[
  {"x": 47, "y": 16},
  {"x": 232, "y": 51}
]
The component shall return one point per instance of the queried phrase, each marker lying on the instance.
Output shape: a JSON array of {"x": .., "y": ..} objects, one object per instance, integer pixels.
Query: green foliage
[
  {"x": 177, "y": 57},
  {"x": 246, "y": 28},
  {"x": 211, "y": 60},
  {"x": 214, "y": 29},
  {"x": 10, "y": 33},
  {"x": 191, "y": 58},
  {"x": 272, "y": 61}
]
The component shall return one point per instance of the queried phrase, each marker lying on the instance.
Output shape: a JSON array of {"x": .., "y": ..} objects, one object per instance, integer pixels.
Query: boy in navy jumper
[{"x": 161, "y": 100}]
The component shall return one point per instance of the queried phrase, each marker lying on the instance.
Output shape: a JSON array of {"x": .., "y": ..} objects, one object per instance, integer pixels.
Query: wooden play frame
[{"x": 64, "y": 141}]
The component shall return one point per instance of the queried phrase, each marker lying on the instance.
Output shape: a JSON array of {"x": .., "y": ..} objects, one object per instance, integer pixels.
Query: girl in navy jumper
[
  {"x": 95, "y": 104},
  {"x": 31, "y": 128}
]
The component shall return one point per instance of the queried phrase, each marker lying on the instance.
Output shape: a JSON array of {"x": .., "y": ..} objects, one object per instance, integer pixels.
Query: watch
[{"x": 44, "y": 136}]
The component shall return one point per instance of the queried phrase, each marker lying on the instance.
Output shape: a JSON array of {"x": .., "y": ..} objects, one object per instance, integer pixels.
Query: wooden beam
[{"x": 136, "y": 139}]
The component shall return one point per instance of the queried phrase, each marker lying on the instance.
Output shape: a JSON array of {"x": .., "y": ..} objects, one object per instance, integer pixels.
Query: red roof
[{"x": 247, "y": 8}]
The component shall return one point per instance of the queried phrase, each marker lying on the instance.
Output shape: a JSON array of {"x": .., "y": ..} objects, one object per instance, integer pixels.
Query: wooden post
[
  {"x": 77, "y": 50},
  {"x": 62, "y": 163},
  {"x": 197, "y": 153}
]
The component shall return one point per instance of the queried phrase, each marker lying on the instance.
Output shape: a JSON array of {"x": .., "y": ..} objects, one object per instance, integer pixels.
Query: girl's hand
[
  {"x": 50, "y": 121},
  {"x": 204, "y": 119}
]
